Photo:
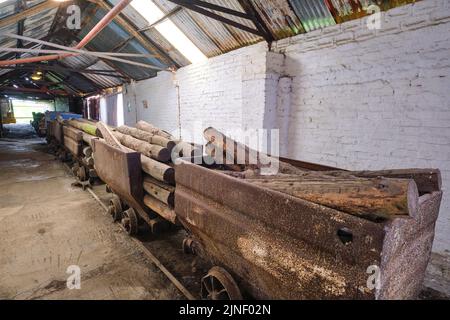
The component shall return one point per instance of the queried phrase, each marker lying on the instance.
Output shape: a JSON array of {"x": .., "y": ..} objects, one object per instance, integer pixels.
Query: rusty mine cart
[{"x": 267, "y": 244}]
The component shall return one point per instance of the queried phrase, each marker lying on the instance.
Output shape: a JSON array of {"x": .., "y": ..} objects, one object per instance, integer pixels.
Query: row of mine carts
[{"x": 264, "y": 243}]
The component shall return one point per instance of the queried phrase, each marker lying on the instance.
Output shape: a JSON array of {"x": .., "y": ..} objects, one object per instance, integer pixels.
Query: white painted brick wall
[
  {"x": 365, "y": 99},
  {"x": 360, "y": 99},
  {"x": 225, "y": 92}
]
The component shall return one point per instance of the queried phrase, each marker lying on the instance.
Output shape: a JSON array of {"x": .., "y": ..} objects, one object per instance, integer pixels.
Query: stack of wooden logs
[
  {"x": 78, "y": 135},
  {"x": 155, "y": 147},
  {"x": 374, "y": 195}
]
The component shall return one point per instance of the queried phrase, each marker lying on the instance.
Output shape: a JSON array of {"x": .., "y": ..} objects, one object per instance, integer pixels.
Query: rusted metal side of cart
[
  {"x": 121, "y": 171},
  {"x": 276, "y": 246}
]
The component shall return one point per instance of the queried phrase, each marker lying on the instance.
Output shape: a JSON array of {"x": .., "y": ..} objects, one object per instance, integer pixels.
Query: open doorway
[
  {"x": 24, "y": 109},
  {"x": 111, "y": 109}
]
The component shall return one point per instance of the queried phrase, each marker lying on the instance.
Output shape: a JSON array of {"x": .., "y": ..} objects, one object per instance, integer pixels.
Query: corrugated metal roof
[
  {"x": 279, "y": 17},
  {"x": 7, "y": 8},
  {"x": 283, "y": 18},
  {"x": 345, "y": 10},
  {"x": 38, "y": 26},
  {"x": 313, "y": 14},
  {"x": 211, "y": 36},
  {"x": 103, "y": 81},
  {"x": 243, "y": 38}
]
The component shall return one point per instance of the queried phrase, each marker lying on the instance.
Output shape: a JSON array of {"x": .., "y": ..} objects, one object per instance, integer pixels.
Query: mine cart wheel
[
  {"x": 75, "y": 168},
  {"x": 218, "y": 284},
  {"x": 188, "y": 246},
  {"x": 130, "y": 221},
  {"x": 82, "y": 175},
  {"x": 116, "y": 208}
]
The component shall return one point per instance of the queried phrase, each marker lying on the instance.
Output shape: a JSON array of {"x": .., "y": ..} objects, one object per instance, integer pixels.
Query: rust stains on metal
[{"x": 277, "y": 246}]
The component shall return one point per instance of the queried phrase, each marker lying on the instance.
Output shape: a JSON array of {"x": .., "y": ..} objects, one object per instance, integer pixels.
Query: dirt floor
[{"x": 46, "y": 225}]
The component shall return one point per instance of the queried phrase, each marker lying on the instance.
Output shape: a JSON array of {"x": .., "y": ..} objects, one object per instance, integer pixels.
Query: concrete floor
[{"x": 46, "y": 225}]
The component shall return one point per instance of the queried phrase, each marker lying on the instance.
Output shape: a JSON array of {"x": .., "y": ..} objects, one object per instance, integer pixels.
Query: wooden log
[
  {"x": 145, "y": 126},
  {"x": 231, "y": 151},
  {"x": 108, "y": 135},
  {"x": 91, "y": 122},
  {"x": 74, "y": 134},
  {"x": 183, "y": 149},
  {"x": 186, "y": 149},
  {"x": 160, "y": 171},
  {"x": 83, "y": 126},
  {"x": 370, "y": 198},
  {"x": 150, "y": 150},
  {"x": 87, "y": 138},
  {"x": 427, "y": 180},
  {"x": 147, "y": 137},
  {"x": 162, "y": 192},
  {"x": 160, "y": 208}
]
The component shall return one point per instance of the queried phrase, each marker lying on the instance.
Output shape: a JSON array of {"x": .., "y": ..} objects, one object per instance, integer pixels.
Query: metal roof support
[
  {"x": 21, "y": 5},
  {"x": 216, "y": 7},
  {"x": 166, "y": 16},
  {"x": 150, "y": 45},
  {"x": 257, "y": 20},
  {"x": 104, "y": 73},
  {"x": 199, "y": 9},
  {"x": 96, "y": 30}
]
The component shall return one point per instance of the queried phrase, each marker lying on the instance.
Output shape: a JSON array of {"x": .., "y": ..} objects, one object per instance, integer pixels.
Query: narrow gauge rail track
[{"x": 143, "y": 246}]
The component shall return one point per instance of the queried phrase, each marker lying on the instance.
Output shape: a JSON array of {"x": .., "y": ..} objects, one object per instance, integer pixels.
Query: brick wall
[
  {"x": 225, "y": 92},
  {"x": 365, "y": 99},
  {"x": 344, "y": 96}
]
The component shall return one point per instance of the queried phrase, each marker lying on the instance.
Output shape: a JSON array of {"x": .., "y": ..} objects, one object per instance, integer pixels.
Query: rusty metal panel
[
  {"x": 279, "y": 17},
  {"x": 313, "y": 14},
  {"x": 276, "y": 245},
  {"x": 281, "y": 247},
  {"x": 121, "y": 170},
  {"x": 407, "y": 249},
  {"x": 345, "y": 10}
]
